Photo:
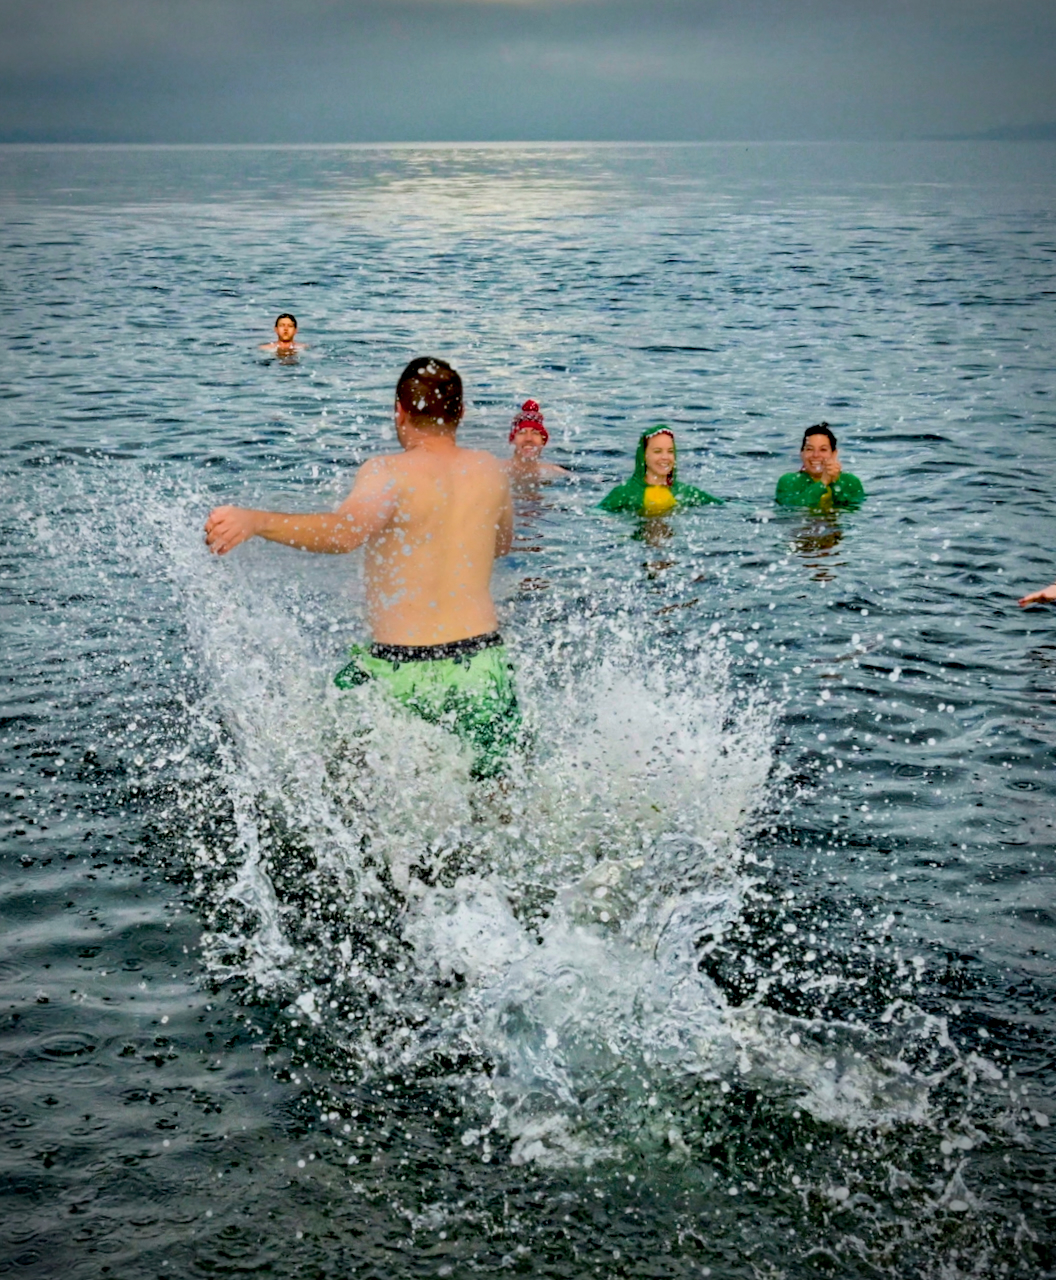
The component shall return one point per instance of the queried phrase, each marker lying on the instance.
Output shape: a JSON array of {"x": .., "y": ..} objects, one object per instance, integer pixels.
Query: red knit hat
[{"x": 529, "y": 419}]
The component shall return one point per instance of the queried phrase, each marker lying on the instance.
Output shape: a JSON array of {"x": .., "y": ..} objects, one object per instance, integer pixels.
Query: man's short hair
[
  {"x": 430, "y": 388},
  {"x": 286, "y": 316},
  {"x": 820, "y": 429}
]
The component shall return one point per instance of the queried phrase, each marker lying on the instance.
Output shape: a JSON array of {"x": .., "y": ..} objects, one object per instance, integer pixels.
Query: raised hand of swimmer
[
  {"x": 832, "y": 471},
  {"x": 1047, "y": 595},
  {"x": 228, "y": 526}
]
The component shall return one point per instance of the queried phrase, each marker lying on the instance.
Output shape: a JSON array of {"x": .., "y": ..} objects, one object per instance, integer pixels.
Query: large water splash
[
  {"x": 541, "y": 938},
  {"x": 538, "y": 953}
]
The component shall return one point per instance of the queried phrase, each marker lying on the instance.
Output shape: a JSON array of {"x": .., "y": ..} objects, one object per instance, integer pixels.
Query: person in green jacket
[
  {"x": 653, "y": 490},
  {"x": 821, "y": 483}
]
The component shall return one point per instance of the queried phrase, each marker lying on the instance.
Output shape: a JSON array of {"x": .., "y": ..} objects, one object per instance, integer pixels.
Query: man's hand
[
  {"x": 1046, "y": 595},
  {"x": 228, "y": 526}
]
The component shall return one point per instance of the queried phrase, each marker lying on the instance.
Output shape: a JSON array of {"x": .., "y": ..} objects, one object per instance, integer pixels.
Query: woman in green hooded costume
[{"x": 653, "y": 489}]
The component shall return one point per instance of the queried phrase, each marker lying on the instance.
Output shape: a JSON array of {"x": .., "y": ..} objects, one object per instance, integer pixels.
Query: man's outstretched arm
[{"x": 365, "y": 512}]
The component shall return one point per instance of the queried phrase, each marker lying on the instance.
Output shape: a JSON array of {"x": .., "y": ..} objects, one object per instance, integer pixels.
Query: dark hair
[
  {"x": 821, "y": 429},
  {"x": 286, "y": 316},
  {"x": 430, "y": 388}
]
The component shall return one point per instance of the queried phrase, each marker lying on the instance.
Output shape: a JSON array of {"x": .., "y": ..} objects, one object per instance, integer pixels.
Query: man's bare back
[
  {"x": 433, "y": 519},
  {"x": 428, "y": 567}
]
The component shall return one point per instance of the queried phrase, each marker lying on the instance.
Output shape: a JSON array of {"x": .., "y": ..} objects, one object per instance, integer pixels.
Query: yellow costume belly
[{"x": 658, "y": 500}]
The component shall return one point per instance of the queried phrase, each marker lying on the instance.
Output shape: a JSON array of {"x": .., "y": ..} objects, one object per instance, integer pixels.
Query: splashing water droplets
[{"x": 544, "y": 934}]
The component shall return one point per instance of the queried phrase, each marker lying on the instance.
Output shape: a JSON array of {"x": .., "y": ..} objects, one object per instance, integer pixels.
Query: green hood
[
  {"x": 630, "y": 496},
  {"x": 639, "y": 456}
]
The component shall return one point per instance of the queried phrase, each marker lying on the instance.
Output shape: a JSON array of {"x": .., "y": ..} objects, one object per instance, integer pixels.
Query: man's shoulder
[
  {"x": 484, "y": 459},
  {"x": 482, "y": 467},
  {"x": 380, "y": 463},
  {"x": 378, "y": 474}
]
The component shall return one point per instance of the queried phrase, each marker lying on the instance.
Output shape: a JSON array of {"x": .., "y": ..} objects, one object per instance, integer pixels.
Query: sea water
[{"x": 747, "y": 970}]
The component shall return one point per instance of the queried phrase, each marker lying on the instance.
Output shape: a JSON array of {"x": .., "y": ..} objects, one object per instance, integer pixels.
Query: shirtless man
[
  {"x": 432, "y": 518},
  {"x": 528, "y": 435},
  {"x": 285, "y": 333}
]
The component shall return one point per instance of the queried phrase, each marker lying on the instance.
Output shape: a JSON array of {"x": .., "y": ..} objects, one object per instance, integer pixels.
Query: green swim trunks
[{"x": 465, "y": 686}]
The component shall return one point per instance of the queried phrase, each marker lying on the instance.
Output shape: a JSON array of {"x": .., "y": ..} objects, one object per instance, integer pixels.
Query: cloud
[{"x": 361, "y": 70}]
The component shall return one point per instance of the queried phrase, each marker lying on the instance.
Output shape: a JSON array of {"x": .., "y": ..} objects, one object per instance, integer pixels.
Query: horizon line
[{"x": 988, "y": 136}]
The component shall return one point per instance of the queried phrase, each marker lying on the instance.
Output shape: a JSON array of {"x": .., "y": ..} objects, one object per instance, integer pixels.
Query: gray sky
[{"x": 421, "y": 70}]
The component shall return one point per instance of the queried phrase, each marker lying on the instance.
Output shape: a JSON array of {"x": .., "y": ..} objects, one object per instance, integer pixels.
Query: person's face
[
  {"x": 818, "y": 455},
  {"x": 528, "y": 443},
  {"x": 660, "y": 455},
  {"x": 285, "y": 330}
]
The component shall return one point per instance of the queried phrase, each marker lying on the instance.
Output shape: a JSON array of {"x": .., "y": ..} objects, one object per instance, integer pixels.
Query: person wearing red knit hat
[{"x": 528, "y": 435}]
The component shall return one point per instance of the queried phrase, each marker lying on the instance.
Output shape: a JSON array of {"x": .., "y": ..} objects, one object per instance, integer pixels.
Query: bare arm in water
[{"x": 1047, "y": 595}]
